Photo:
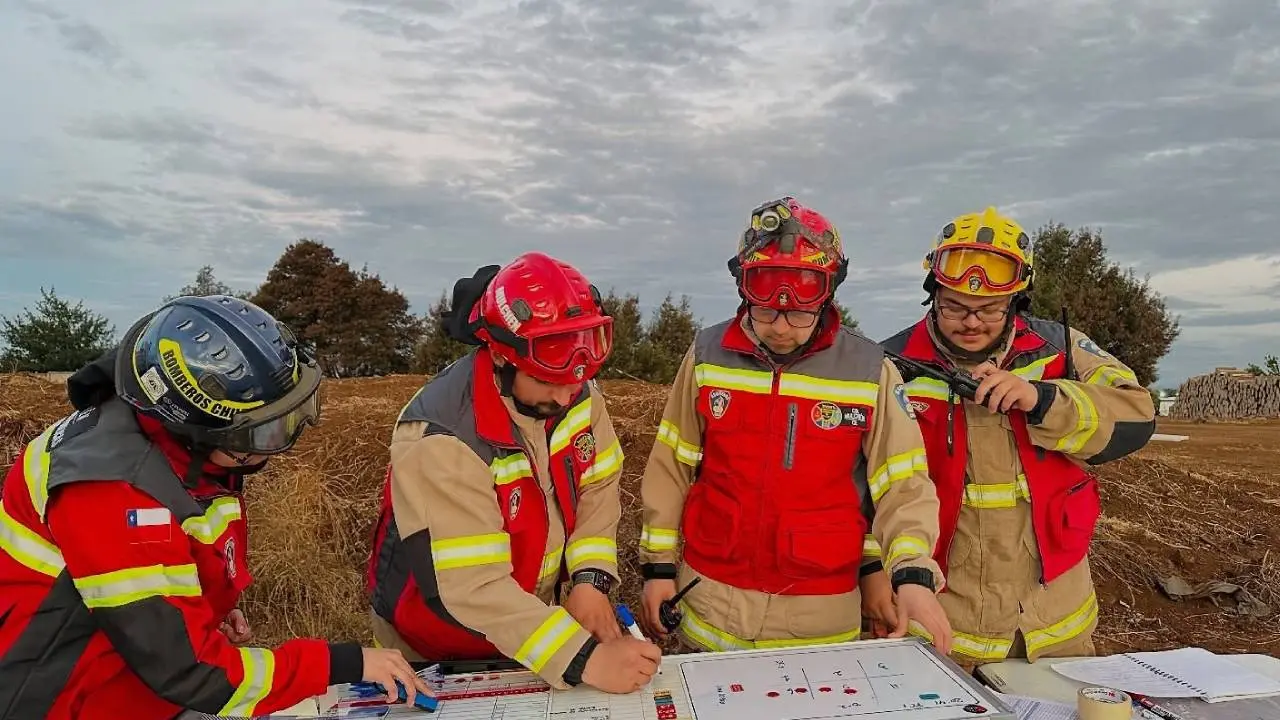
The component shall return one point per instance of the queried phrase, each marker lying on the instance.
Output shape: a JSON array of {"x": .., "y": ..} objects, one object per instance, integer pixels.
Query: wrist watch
[
  {"x": 913, "y": 576},
  {"x": 598, "y": 579}
]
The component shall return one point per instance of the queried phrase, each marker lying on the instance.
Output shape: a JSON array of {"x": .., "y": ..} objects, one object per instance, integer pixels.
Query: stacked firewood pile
[{"x": 1228, "y": 396}]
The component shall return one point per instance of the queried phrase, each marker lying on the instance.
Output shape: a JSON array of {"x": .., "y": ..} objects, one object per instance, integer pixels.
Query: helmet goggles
[
  {"x": 973, "y": 268},
  {"x": 274, "y": 428},
  {"x": 785, "y": 288},
  {"x": 557, "y": 356}
]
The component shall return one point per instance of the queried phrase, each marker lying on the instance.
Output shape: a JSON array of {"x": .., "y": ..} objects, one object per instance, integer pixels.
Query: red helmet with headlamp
[
  {"x": 790, "y": 258},
  {"x": 546, "y": 319}
]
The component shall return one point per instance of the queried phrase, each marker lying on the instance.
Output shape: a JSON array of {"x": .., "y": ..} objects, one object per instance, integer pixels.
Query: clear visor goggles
[{"x": 274, "y": 429}]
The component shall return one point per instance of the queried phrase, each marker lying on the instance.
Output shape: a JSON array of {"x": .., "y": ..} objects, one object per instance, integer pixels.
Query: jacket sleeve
[
  {"x": 594, "y": 541},
  {"x": 905, "y": 522},
  {"x": 669, "y": 472},
  {"x": 460, "y": 555},
  {"x": 138, "y": 579},
  {"x": 1103, "y": 416}
]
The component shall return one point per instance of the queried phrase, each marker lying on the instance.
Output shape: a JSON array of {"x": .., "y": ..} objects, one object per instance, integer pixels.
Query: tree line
[{"x": 359, "y": 326}]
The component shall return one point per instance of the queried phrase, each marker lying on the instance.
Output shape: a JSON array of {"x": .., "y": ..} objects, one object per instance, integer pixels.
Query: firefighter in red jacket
[
  {"x": 1018, "y": 502},
  {"x": 503, "y": 482},
  {"x": 123, "y": 538},
  {"x": 785, "y": 444}
]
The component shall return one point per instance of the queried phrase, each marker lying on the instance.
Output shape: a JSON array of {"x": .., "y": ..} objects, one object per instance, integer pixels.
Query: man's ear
[{"x": 498, "y": 360}]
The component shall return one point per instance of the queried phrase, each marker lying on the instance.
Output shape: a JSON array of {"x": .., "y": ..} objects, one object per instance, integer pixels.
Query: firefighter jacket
[
  {"x": 1018, "y": 503},
  {"x": 485, "y": 511},
  {"x": 114, "y": 578},
  {"x": 775, "y": 476}
]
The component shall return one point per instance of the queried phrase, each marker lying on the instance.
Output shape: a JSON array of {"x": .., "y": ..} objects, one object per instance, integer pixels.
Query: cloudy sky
[{"x": 426, "y": 137}]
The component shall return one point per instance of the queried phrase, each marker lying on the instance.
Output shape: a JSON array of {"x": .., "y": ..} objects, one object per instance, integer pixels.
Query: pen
[
  {"x": 1149, "y": 706},
  {"x": 629, "y": 622}
]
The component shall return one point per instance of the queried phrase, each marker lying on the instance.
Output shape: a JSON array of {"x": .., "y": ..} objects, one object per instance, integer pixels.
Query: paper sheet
[
  {"x": 1181, "y": 673},
  {"x": 1035, "y": 709}
]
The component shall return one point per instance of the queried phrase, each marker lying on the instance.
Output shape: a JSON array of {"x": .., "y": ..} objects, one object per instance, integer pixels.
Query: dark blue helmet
[{"x": 220, "y": 372}]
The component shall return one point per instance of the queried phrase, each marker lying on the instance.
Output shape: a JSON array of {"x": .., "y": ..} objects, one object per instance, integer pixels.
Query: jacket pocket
[
  {"x": 1075, "y": 516},
  {"x": 711, "y": 521},
  {"x": 820, "y": 543}
]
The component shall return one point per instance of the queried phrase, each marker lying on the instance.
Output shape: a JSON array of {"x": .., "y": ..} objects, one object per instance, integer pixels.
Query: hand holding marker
[{"x": 629, "y": 622}]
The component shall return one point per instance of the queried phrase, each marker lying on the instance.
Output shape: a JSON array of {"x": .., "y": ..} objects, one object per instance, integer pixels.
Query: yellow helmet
[{"x": 985, "y": 254}]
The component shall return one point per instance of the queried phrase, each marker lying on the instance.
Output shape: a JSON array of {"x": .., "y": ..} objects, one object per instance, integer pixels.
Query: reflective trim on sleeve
[
  {"x": 210, "y": 526},
  {"x": 1086, "y": 419},
  {"x": 658, "y": 539},
  {"x": 121, "y": 587},
  {"x": 905, "y": 546},
  {"x": 546, "y": 641},
  {"x": 686, "y": 452},
  {"x": 1034, "y": 370},
  {"x": 259, "y": 671},
  {"x": 606, "y": 463},
  {"x": 470, "y": 550},
  {"x": 1111, "y": 376},
  {"x": 897, "y": 467},
  {"x": 574, "y": 422},
  {"x": 870, "y": 547},
  {"x": 598, "y": 549},
  {"x": 27, "y": 547}
]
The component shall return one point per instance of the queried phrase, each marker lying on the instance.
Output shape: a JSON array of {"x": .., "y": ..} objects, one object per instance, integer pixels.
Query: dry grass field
[{"x": 1204, "y": 510}]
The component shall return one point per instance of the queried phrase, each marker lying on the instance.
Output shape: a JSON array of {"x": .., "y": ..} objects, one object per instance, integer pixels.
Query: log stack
[{"x": 1228, "y": 396}]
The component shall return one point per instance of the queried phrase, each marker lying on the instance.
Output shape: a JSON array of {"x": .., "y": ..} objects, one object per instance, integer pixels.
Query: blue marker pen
[{"x": 629, "y": 622}]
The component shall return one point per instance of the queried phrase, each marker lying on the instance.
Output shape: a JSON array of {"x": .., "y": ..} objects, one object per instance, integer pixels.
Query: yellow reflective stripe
[
  {"x": 1068, "y": 628},
  {"x": 712, "y": 638},
  {"x": 658, "y": 539},
  {"x": 906, "y": 546},
  {"x": 551, "y": 635},
  {"x": 259, "y": 671},
  {"x": 870, "y": 547},
  {"x": 837, "y": 391},
  {"x": 752, "y": 381},
  {"x": 35, "y": 466},
  {"x": 928, "y": 388},
  {"x": 896, "y": 468},
  {"x": 607, "y": 462},
  {"x": 121, "y": 587},
  {"x": 1086, "y": 419},
  {"x": 511, "y": 468},
  {"x": 471, "y": 550},
  {"x": 551, "y": 563},
  {"x": 27, "y": 547},
  {"x": 997, "y": 495},
  {"x": 1112, "y": 376},
  {"x": 1035, "y": 370},
  {"x": 207, "y": 528},
  {"x": 599, "y": 549},
  {"x": 574, "y": 422},
  {"x": 973, "y": 646},
  {"x": 686, "y": 452}
]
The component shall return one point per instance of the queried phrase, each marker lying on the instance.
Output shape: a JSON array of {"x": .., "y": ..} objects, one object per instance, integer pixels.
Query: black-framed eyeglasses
[
  {"x": 960, "y": 312},
  {"x": 795, "y": 318}
]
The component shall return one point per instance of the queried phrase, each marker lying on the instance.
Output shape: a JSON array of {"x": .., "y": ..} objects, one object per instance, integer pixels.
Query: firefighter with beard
[
  {"x": 785, "y": 444},
  {"x": 1012, "y": 465},
  {"x": 503, "y": 482},
  {"x": 123, "y": 534}
]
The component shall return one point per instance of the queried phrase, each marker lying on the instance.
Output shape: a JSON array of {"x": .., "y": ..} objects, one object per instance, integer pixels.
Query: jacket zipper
[
  {"x": 788, "y": 456},
  {"x": 572, "y": 482}
]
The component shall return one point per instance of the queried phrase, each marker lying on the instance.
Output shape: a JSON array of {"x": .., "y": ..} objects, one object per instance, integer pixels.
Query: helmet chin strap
[{"x": 506, "y": 383}]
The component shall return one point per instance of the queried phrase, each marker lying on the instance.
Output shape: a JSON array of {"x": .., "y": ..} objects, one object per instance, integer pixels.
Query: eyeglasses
[
  {"x": 985, "y": 314},
  {"x": 795, "y": 318}
]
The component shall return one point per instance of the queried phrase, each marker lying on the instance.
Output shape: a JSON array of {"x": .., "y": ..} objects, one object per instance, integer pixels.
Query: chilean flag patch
[{"x": 149, "y": 524}]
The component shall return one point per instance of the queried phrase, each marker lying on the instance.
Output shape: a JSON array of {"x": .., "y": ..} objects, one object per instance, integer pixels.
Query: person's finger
[
  {"x": 423, "y": 686},
  {"x": 900, "y": 627},
  {"x": 983, "y": 370}
]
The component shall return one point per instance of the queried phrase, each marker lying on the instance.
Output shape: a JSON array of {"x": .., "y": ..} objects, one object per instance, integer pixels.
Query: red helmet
[
  {"x": 544, "y": 317},
  {"x": 790, "y": 258}
]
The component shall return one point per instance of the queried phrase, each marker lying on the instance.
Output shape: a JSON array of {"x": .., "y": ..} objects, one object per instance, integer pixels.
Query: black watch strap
[
  {"x": 658, "y": 571},
  {"x": 913, "y": 576},
  {"x": 573, "y": 674}
]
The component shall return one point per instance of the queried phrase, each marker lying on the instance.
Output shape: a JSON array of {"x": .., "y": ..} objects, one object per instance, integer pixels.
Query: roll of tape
[{"x": 1097, "y": 703}]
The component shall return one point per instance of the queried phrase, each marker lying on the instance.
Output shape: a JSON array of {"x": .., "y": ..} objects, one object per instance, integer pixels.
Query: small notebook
[{"x": 1183, "y": 673}]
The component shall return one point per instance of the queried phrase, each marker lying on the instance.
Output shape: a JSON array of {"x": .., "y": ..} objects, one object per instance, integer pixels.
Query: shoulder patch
[
  {"x": 77, "y": 423},
  {"x": 1089, "y": 346},
  {"x": 900, "y": 392}
]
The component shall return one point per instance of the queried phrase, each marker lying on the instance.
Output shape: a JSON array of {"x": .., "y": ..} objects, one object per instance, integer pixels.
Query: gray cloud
[{"x": 428, "y": 137}]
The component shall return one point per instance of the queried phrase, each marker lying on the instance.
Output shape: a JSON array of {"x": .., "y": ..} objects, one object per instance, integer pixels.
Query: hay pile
[
  {"x": 1219, "y": 396},
  {"x": 311, "y": 516}
]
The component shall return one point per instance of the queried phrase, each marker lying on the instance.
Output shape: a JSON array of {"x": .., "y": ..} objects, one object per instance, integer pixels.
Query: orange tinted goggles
[
  {"x": 557, "y": 352},
  {"x": 766, "y": 285},
  {"x": 997, "y": 270}
]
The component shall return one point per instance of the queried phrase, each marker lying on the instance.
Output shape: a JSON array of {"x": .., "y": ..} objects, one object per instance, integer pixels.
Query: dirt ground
[{"x": 1204, "y": 510}]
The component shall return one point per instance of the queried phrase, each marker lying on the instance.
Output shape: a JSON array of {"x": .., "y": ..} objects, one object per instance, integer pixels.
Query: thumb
[{"x": 900, "y": 627}]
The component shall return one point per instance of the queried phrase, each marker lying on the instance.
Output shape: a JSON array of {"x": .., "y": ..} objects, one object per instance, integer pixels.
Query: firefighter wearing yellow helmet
[{"x": 1012, "y": 460}]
